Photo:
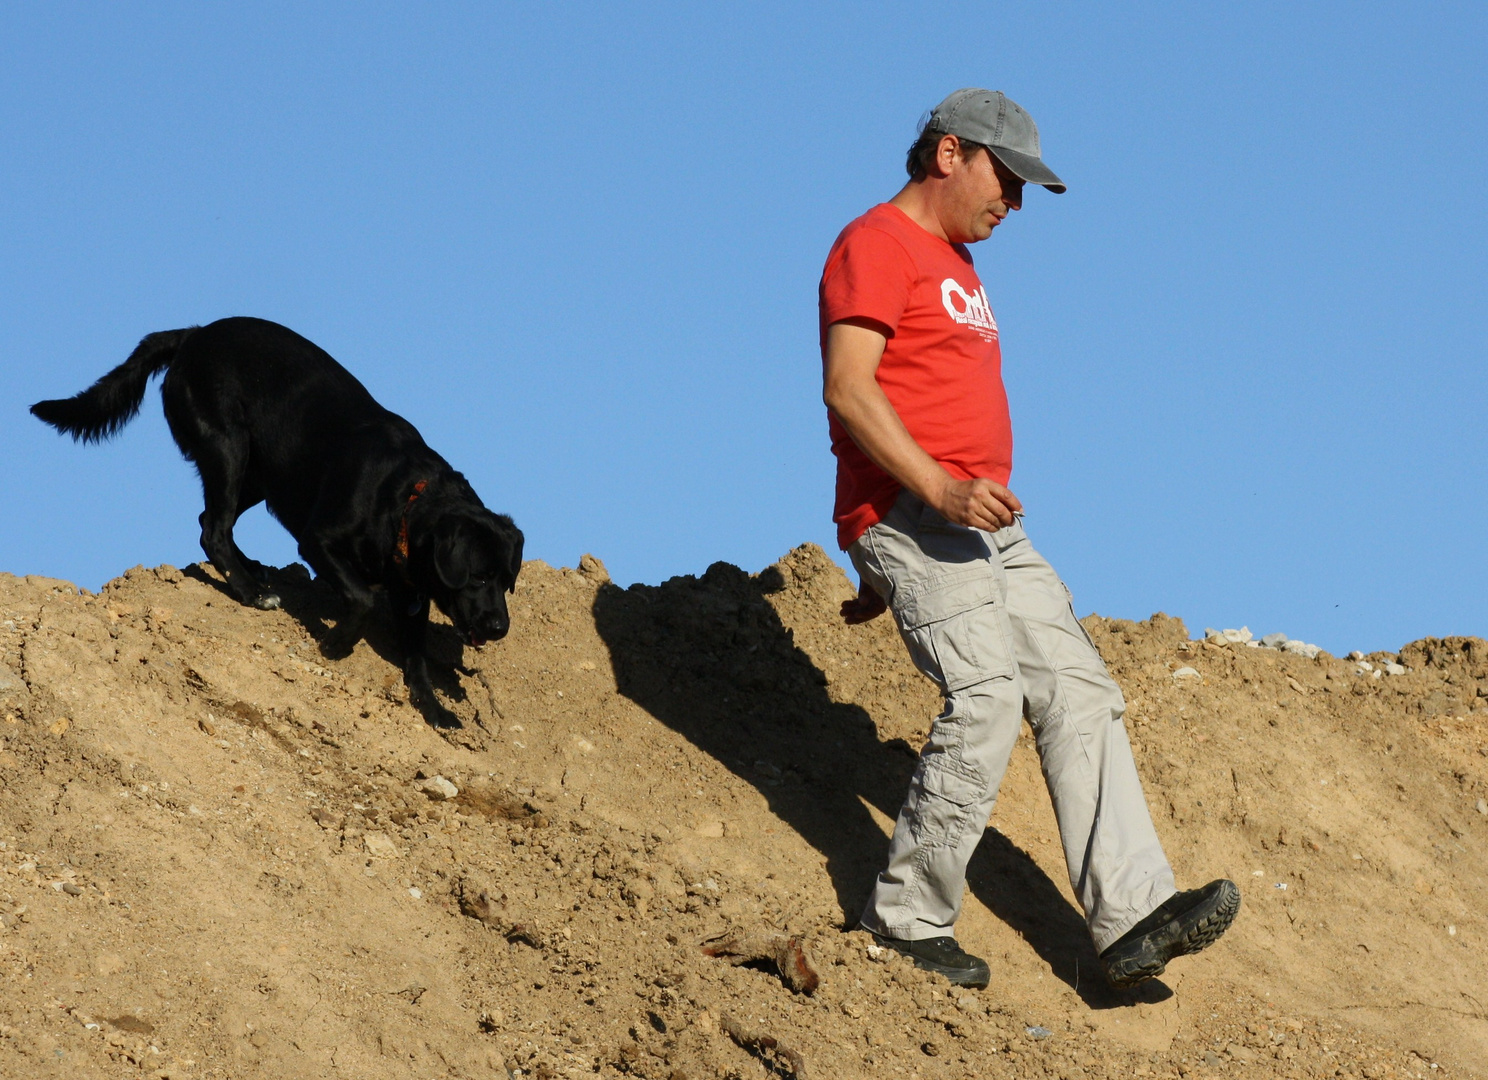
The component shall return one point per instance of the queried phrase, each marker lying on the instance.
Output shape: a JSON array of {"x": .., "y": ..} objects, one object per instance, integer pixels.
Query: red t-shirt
[{"x": 941, "y": 368}]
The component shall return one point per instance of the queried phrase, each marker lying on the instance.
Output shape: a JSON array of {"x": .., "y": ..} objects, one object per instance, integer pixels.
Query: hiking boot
[
  {"x": 1183, "y": 923},
  {"x": 944, "y": 957}
]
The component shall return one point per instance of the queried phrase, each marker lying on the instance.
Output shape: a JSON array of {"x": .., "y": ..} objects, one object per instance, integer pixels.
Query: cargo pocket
[
  {"x": 941, "y": 779},
  {"x": 957, "y": 633}
]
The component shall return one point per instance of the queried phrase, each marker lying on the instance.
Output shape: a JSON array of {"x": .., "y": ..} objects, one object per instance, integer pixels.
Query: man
[{"x": 919, "y": 424}]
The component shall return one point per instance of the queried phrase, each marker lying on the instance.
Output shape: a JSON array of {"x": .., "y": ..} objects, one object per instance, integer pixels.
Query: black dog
[{"x": 267, "y": 416}]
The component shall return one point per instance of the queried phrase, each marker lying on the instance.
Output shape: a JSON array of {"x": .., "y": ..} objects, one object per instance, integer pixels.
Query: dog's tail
[{"x": 101, "y": 410}]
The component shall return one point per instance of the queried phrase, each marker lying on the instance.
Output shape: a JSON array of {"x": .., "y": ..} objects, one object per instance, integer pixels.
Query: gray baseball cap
[{"x": 993, "y": 119}]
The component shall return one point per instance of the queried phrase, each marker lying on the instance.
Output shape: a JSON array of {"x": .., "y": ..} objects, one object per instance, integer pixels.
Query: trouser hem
[{"x": 1110, "y": 936}]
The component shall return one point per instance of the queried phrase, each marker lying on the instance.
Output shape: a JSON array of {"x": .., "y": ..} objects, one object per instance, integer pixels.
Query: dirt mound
[{"x": 222, "y": 854}]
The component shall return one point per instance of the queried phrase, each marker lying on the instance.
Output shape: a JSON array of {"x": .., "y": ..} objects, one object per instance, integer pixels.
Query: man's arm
[{"x": 851, "y": 391}]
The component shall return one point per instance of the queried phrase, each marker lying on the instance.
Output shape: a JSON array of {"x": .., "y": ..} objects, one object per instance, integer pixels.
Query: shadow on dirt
[
  {"x": 709, "y": 657},
  {"x": 318, "y": 609}
]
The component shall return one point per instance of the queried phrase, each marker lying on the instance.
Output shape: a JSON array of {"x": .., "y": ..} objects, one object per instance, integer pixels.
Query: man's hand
[
  {"x": 980, "y": 504},
  {"x": 864, "y": 607}
]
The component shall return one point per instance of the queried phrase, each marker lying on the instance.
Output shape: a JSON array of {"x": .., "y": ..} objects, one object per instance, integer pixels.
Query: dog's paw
[
  {"x": 422, "y": 697},
  {"x": 267, "y": 601}
]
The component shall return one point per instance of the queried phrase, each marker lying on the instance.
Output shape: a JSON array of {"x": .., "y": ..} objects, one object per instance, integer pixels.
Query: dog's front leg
[
  {"x": 355, "y": 594},
  {"x": 412, "y": 616}
]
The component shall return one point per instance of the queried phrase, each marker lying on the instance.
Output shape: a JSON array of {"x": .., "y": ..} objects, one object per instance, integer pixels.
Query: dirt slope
[{"x": 222, "y": 855}]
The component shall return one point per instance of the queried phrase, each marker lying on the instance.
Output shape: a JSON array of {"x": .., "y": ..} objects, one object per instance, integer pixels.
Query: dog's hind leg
[
  {"x": 220, "y": 461},
  {"x": 248, "y": 497},
  {"x": 213, "y": 439}
]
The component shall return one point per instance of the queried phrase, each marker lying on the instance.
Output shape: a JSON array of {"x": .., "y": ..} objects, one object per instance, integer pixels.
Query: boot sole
[
  {"x": 975, "y": 978},
  {"x": 1193, "y": 931}
]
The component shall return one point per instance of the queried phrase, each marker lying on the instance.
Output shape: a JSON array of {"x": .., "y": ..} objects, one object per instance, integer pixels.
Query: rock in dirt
[
  {"x": 1301, "y": 648},
  {"x": 483, "y": 902},
  {"x": 379, "y": 845},
  {"x": 438, "y": 788},
  {"x": 327, "y": 819}
]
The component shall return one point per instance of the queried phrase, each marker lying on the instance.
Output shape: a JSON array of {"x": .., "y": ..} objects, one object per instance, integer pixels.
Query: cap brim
[{"x": 1029, "y": 169}]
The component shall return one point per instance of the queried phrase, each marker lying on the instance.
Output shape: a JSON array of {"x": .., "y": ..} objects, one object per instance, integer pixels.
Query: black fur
[{"x": 267, "y": 416}]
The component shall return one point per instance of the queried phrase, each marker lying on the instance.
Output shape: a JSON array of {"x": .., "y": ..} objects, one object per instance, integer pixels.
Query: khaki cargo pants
[{"x": 990, "y": 622}]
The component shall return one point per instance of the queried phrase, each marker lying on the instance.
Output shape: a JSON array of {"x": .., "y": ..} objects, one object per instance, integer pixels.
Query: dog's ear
[
  {"x": 514, "y": 566},
  {"x": 451, "y": 560}
]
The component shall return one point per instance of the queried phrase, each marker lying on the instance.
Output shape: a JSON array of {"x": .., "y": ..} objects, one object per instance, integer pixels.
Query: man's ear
[
  {"x": 946, "y": 153},
  {"x": 450, "y": 561},
  {"x": 514, "y": 565}
]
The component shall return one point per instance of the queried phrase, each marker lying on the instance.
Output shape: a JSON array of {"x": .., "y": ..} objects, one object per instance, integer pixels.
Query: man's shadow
[
  {"x": 319, "y": 610},
  {"x": 710, "y": 658}
]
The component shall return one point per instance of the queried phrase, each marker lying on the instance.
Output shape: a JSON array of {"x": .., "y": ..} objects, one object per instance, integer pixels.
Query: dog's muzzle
[{"x": 475, "y": 641}]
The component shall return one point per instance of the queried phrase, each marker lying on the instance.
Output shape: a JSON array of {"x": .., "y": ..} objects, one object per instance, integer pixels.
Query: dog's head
[{"x": 476, "y": 557}]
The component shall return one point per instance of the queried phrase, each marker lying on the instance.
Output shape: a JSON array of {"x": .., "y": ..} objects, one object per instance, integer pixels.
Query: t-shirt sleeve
[{"x": 868, "y": 276}]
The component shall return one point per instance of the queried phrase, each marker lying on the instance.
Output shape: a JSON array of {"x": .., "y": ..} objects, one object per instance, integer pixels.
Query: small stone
[
  {"x": 379, "y": 845},
  {"x": 1481, "y": 806},
  {"x": 438, "y": 788},
  {"x": 207, "y": 726},
  {"x": 1037, "y": 1032},
  {"x": 1394, "y": 669},
  {"x": 930, "y": 1048},
  {"x": 70, "y": 889},
  {"x": 1186, "y": 673},
  {"x": 1274, "y": 641},
  {"x": 1238, "y": 637},
  {"x": 1216, "y": 636},
  {"x": 327, "y": 819},
  {"x": 1355, "y": 655}
]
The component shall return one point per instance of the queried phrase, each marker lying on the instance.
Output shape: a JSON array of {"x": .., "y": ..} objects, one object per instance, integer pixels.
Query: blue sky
[{"x": 578, "y": 246}]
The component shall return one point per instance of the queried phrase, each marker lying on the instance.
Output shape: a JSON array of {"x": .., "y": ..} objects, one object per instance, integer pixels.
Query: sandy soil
[{"x": 223, "y": 855}]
